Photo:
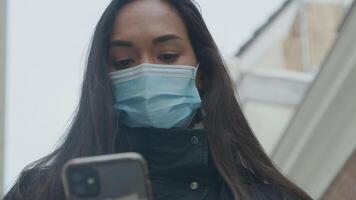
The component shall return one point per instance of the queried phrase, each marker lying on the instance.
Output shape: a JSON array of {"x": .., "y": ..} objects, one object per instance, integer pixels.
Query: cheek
[
  {"x": 189, "y": 56},
  {"x": 110, "y": 68},
  {"x": 193, "y": 58}
]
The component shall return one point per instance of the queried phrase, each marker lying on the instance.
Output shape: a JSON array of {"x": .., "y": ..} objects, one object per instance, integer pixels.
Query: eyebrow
[
  {"x": 117, "y": 43},
  {"x": 165, "y": 38},
  {"x": 160, "y": 39}
]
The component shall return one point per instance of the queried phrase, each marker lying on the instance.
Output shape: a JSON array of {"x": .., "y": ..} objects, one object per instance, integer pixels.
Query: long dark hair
[{"x": 95, "y": 125}]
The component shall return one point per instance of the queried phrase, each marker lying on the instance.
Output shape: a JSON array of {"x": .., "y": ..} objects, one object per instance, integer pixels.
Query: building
[
  {"x": 278, "y": 64},
  {"x": 296, "y": 37},
  {"x": 296, "y": 83},
  {"x": 322, "y": 132}
]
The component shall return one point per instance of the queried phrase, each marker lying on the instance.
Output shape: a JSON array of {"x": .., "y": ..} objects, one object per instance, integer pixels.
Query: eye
[
  {"x": 168, "y": 57},
  {"x": 122, "y": 64}
]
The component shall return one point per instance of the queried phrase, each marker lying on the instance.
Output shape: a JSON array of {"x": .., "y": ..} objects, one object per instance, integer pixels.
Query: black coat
[{"x": 180, "y": 168}]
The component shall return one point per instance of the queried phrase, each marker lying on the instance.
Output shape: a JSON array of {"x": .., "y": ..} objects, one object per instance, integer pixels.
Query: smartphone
[{"x": 122, "y": 176}]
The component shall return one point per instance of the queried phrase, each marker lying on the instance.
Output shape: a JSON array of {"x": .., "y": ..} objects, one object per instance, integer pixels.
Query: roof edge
[{"x": 258, "y": 32}]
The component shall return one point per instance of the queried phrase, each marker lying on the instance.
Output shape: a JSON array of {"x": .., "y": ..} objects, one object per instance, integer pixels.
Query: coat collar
[{"x": 171, "y": 151}]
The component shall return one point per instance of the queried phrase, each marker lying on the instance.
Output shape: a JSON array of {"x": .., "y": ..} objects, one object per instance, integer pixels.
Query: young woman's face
[{"x": 149, "y": 31}]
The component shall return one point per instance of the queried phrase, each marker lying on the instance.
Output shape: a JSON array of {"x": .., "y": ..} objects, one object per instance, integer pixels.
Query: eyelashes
[
  {"x": 169, "y": 57},
  {"x": 127, "y": 62}
]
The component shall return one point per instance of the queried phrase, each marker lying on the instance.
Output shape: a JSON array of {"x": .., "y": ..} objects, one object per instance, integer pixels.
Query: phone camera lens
[
  {"x": 91, "y": 181},
  {"x": 84, "y": 182},
  {"x": 76, "y": 177}
]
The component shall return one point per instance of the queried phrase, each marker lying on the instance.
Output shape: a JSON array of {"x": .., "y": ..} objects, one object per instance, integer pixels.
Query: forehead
[{"x": 148, "y": 18}]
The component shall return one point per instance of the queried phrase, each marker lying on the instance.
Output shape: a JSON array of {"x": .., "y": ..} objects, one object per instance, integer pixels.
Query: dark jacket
[{"x": 180, "y": 167}]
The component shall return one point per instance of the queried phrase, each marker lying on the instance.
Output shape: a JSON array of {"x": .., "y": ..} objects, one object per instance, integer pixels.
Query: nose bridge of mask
[{"x": 147, "y": 68}]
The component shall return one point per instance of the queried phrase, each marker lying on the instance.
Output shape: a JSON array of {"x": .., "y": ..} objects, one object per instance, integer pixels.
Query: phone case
[{"x": 121, "y": 176}]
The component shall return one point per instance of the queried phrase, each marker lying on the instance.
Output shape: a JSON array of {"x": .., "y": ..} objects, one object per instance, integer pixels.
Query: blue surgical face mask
[{"x": 153, "y": 95}]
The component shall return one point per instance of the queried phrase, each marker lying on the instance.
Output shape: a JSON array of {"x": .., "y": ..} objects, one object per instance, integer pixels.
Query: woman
[{"x": 156, "y": 84}]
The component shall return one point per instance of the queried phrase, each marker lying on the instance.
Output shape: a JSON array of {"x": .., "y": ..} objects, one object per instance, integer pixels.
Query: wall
[
  {"x": 343, "y": 186},
  {"x": 2, "y": 86},
  {"x": 269, "y": 99}
]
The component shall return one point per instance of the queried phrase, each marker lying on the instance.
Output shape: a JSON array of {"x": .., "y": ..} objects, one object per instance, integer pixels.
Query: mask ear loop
[
  {"x": 196, "y": 71},
  {"x": 203, "y": 113}
]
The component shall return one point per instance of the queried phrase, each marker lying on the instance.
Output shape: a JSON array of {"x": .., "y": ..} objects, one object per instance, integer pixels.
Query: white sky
[{"x": 46, "y": 50}]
